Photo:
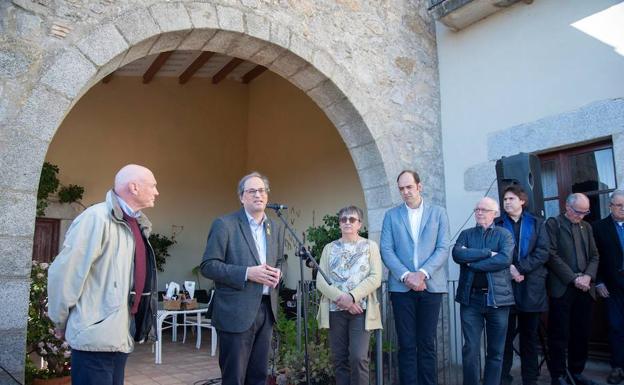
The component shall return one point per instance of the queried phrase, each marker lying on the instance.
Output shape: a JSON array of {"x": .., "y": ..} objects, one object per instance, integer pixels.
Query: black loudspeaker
[{"x": 523, "y": 169}]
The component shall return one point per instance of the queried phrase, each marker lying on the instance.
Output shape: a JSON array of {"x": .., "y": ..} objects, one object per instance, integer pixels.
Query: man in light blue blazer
[{"x": 415, "y": 248}]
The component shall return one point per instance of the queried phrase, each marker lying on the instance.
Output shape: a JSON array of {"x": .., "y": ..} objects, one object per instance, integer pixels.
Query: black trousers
[
  {"x": 244, "y": 357},
  {"x": 416, "y": 319},
  {"x": 569, "y": 327},
  {"x": 523, "y": 324}
]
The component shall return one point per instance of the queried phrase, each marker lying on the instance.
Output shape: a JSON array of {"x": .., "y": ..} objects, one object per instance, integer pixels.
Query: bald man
[
  {"x": 484, "y": 254},
  {"x": 93, "y": 283},
  {"x": 572, "y": 264}
]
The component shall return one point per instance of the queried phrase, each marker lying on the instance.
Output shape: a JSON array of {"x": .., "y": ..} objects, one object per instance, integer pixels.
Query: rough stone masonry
[{"x": 371, "y": 66}]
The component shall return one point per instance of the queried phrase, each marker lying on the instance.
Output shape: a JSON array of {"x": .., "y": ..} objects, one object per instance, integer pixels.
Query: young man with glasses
[
  {"x": 484, "y": 254},
  {"x": 573, "y": 263},
  {"x": 609, "y": 234},
  {"x": 414, "y": 247},
  {"x": 243, "y": 257}
]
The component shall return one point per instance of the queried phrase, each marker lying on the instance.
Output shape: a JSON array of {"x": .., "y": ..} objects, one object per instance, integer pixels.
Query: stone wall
[
  {"x": 595, "y": 121},
  {"x": 370, "y": 66}
]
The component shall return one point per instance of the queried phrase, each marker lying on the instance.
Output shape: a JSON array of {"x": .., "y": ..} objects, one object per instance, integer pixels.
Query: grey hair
[
  {"x": 351, "y": 210},
  {"x": 492, "y": 203},
  {"x": 615, "y": 194},
  {"x": 254, "y": 174},
  {"x": 572, "y": 198}
]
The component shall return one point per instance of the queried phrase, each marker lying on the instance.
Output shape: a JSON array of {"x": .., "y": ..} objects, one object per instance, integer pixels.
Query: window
[{"x": 588, "y": 169}]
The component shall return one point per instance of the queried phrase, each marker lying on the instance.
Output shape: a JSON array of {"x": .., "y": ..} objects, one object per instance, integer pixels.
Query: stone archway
[{"x": 382, "y": 135}]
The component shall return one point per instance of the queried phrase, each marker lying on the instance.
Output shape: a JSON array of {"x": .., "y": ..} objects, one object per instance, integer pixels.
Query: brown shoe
[{"x": 616, "y": 376}]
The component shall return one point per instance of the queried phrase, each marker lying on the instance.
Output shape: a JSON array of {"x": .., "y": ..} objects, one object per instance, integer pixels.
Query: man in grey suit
[
  {"x": 415, "y": 248},
  {"x": 243, "y": 256}
]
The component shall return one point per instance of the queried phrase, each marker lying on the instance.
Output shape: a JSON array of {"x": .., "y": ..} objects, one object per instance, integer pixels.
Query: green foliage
[
  {"x": 320, "y": 236},
  {"x": 48, "y": 184},
  {"x": 71, "y": 193},
  {"x": 328, "y": 232},
  {"x": 161, "y": 245},
  {"x": 290, "y": 360},
  {"x": 40, "y": 334}
]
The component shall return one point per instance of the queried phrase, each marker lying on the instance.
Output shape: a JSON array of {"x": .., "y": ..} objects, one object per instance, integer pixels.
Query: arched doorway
[{"x": 383, "y": 114}]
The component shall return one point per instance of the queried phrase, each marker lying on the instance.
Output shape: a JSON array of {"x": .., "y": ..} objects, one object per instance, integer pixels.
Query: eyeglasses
[
  {"x": 351, "y": 220},
  {"x": 577, "y": 212},
  {"x": 253, "y": 191},
  {"x": 480, "y": 210}
]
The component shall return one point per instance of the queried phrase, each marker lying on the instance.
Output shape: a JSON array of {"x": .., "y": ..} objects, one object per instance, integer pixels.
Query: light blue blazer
[{"x": 397, "y": 247}]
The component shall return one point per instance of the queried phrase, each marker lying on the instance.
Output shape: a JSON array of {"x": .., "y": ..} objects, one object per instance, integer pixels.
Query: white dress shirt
[
  {"x": 415, "y": 219},
  {"x": 259, "y": 236}
]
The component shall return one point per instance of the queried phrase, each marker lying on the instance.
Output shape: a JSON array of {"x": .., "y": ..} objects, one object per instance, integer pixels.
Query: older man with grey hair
[
  {"x": 609, "y": 235},
  {"x": 243, "y": 256},
  {"x": 573, "y": 263},
  {"x": 102, "y": 286},
  {"x": 484, "y": 254}
]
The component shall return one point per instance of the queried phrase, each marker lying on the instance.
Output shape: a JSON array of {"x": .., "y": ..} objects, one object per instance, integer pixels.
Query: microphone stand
[{"x": 303, "y": 253}]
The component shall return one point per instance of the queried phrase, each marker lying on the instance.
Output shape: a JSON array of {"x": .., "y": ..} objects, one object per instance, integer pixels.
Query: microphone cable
[{"x": 470, "y": 215}]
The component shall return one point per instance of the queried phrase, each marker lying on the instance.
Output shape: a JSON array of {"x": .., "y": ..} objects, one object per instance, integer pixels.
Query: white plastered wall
[
  {"x": 520, "y": 65},
  {"x": 199, "y": 139}
]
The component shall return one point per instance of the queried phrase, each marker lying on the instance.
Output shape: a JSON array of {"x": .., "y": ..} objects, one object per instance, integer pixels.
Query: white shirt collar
[
  {"x": 417, "y": 209},
  {"x": 126, "y": 209},
  {"x": 252, "y": 220}
]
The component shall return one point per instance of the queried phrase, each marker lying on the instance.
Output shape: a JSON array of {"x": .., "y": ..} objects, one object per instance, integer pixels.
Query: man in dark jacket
[
  {"x": 243, "y": 256},
  {"x": 529, "y": 282},
  {"x": 609, "y": 235},
  {"x": 484, "y": 254},
  {"x": 572, "y": 266}
]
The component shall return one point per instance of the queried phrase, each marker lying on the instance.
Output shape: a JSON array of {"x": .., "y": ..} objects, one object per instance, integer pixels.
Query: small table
[{"x": 162, "y": 314}]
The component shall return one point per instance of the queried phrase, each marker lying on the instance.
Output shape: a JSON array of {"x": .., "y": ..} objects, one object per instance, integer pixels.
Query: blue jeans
[
  {"x": 97, "y": 368},
  {"x": 416, "y": 319},
  {"x": 474, "y": 317}
]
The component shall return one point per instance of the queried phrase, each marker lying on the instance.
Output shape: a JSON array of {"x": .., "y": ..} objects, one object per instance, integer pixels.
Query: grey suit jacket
[
  {"x": 397, "y": 247},
  {"x": 229, "y": 251}
]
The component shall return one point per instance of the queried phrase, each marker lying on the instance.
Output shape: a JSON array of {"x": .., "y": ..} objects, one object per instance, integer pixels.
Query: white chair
[{"x": 200, "y": 322}]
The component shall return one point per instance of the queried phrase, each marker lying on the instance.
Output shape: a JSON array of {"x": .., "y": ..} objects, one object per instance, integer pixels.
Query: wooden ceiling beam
[
  {"x": 160, "y": 60},
  {"x": 195, "y": 66},
  {"x": 229, "y": 67},
  {"x": 253, "y": 73}
]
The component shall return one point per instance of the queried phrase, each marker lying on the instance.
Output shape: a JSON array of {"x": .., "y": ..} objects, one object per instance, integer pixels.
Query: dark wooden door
[
  {"x": 588, "y": 169},
  {"x": 45, "y": 243}
]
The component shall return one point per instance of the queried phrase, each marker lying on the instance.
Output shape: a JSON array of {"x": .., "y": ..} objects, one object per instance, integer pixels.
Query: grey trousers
[{"x": 348, "y": 340}]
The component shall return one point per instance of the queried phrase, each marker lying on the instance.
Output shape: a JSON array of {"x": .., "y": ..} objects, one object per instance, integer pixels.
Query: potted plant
[
  {"x": 161, "y": 244},
  {"x": 41, "y": 342},
  {"x": 50, "y": 184},
  {"x": 289, "y": 359}
]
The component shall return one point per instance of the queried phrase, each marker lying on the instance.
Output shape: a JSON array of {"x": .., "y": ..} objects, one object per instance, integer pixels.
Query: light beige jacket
[
  {"x": 90, "y": 280},
  {"x": 367, "y": 288}
]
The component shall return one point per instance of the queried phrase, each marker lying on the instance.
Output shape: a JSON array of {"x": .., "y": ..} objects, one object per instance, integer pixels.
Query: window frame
[{"x": 564, "y": 170}]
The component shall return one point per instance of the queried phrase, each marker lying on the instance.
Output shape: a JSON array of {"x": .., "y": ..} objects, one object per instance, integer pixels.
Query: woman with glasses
[
  {"x": 349, "y": 306},
  {"x": 529, "y": 282}
]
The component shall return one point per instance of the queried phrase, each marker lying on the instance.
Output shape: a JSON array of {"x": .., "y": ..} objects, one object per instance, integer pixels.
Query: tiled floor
[
  {"x": 594, "y": 370},
  {"x": 185, "y": 365},
  {"x": 182, "y": 363}
]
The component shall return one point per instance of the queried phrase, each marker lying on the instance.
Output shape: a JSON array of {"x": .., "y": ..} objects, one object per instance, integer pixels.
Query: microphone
[{"x": 276, "y": 206}]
